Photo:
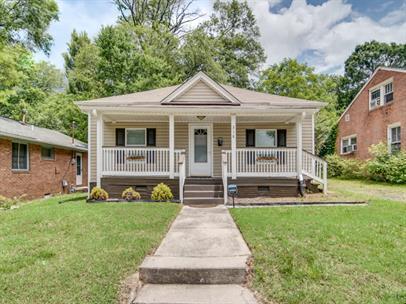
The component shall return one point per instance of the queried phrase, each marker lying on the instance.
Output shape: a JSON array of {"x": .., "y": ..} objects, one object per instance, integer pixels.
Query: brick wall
[
  {"x": 371, "y": 126},
  {"x": 43, "y": 177}
]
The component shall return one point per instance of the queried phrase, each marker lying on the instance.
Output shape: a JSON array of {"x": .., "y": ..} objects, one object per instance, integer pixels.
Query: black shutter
[
  {"x": 281, "y": 138},
  {"x": 250, "y": 137},
  {"x": 151, "y": 142},
  {"x": 250, "y": 142},
  {"x": 120, "y": 137},
  {"x": 151, "y": 137}
]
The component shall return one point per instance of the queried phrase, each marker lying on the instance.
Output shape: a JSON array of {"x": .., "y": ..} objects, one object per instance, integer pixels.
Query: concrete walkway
[{"x": 202, "y": 259}]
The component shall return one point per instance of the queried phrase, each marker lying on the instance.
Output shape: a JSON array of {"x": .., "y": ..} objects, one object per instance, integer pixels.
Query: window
[
  {"x": 136, "y": 137},
  {"x": 394, "y": 138},
  {"x": 348, "y": 144},
  {"x": 375, "y": 98},
  {"x": 19, "y": 157},
  {"x": 265, "y": 138},
  {"x": 388, "y": 97},
  {"x": 381, "y": 94},
  {"x": 47, "y": 153}
]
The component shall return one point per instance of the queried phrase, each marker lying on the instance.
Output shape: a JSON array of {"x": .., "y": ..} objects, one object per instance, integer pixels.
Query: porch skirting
[{"x": 248, "y": 187}]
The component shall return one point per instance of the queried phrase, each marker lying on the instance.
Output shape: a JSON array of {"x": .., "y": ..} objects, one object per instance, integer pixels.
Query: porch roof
[{"x": 159, "y": 99}]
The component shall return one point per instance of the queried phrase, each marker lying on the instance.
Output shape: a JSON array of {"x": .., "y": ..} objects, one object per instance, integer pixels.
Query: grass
[
  {"x": 353, "y": 254},
  {"x": 75, "y": 252}
]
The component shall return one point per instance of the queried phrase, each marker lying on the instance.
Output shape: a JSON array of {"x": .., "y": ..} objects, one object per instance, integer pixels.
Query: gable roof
[
  {"x": 175, "y": 96},
  {"x": 26, "y": 132},
  {"x": 366, "y": 84},
  {"x": 220, "y": 95}
]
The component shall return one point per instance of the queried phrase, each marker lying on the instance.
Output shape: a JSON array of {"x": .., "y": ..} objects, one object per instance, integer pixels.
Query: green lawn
[
  {"x": 353, "y": 254},
  {"x": 75, "y": 252}
]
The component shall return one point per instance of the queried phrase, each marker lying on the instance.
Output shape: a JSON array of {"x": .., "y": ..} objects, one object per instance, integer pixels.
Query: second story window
[
  {"x": 388, "y": 92},
  {"x": 381, "y": 94}
]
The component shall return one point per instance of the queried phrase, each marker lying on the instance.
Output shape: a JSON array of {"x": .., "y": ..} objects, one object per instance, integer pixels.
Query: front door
[
  {"x": 200, "y": 154},
  {"x": 79, "y": 169}
]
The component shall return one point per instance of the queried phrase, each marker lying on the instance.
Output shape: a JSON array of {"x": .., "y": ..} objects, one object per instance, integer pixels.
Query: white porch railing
[
  {"x": 275, "y": 162},
  {"x": 126, "y": 161},
  {"x": 264, "y": 162}
]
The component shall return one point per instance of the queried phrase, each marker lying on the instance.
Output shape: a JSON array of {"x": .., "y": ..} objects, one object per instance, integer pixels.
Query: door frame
[
  {"x": 191, "y": 149},
  {"x": 81, "y": 169}
]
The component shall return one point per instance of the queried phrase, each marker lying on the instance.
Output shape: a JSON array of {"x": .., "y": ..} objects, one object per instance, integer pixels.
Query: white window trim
[
  {"x": 135, "y": 129},
  {"x": 344, "y": 138},
  {"x": 48, "y": 158},
  {"x": 276, "y": 138},
  {"x": 381, "y": 87},
  {"x": 28, "y": 156},
  {"x": 389, "y": 135}
]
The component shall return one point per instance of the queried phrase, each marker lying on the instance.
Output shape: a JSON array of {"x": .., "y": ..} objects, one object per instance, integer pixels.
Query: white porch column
[
  {"x": 99, "y": 148},
  {"x": 233, "y": 146},
  {"x": 299, "y": 146},
  {"x": 171, "y": 146}
]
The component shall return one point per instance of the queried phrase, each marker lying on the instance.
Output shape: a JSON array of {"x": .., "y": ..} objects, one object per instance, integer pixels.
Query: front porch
[{"x": 207, "y": 145}]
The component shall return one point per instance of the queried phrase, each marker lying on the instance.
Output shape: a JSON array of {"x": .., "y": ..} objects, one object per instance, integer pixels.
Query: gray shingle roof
[{"x": 17, "y": 130}]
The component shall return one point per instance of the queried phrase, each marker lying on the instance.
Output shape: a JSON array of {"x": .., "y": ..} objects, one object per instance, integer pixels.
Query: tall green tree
[
  {"x": 365, "y": 59},
  {"x": 77, "y": 42},
  {"x": 234, "y": 26},
  {"x": 26, "y": 22},
  {"x": 175, "y": 15},
  {"x": 293, "y": 79}
]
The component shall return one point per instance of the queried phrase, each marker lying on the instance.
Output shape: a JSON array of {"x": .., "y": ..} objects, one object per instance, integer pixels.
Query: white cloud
[
  {"x": 79, "y": 15},
  {"x": 329, "y": 31}
]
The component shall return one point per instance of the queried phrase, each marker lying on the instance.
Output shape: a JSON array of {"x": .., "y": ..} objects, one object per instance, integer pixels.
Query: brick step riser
[
  {"x": 205, "y": 194},
  {"x": 203, "y": 201},
  {"x": 203, "y": 188}
]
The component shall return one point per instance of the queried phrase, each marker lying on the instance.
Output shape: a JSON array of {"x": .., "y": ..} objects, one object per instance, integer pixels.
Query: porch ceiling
[{"x": 194, "y": 118}]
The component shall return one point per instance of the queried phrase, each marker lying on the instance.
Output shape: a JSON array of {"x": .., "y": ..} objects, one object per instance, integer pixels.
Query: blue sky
[{"x": 322, "y": 33}]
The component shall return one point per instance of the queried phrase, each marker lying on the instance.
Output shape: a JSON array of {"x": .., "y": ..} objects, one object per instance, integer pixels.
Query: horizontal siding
[{"x": 200, "y": 92}]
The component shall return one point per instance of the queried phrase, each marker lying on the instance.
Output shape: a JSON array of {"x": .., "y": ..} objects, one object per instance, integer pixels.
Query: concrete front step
[
  {"x": 203, "y": 201},
  {"x": 194, "y": 270},
  {"x": 194, "y": 294}
]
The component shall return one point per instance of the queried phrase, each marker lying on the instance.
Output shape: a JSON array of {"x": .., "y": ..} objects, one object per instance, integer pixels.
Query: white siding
[{"x": 200, "y": 92}]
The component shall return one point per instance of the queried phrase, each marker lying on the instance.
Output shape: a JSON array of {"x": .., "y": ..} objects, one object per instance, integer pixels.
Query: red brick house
[
  {"x": 36, "y": 161},
  {"x": 377, "y": 114}
]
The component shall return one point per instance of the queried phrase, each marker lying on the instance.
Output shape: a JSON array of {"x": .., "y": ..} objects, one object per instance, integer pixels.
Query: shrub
[
  {"x": 161, "y": 193},
  {"x": 7, "y": 203},
  {"x": 130, "y": 194},
  {"x": 99, "y": 194},
  {"x": 345, "y": 168}
]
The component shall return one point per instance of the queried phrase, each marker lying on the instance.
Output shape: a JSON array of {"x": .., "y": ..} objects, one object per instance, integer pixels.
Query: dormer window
[{"x": 381, "y": 94}]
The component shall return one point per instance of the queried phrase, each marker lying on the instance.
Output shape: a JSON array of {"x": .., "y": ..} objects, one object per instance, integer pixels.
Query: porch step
[
  {"x": 203, "y": 200},
  {"x": 199, "y": 187},
  {"x": 204, "y": 193},
  {"x": 203, "y": 181},
  {"x": 194, "y": 270},
  {"x": 194, "y": 294}
]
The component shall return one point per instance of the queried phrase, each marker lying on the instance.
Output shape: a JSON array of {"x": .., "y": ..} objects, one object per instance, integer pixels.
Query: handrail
[
  {"x": 182, "y": 175},
  {"x": 316, "y": 168},
  {"x": 224, "y": 174}
]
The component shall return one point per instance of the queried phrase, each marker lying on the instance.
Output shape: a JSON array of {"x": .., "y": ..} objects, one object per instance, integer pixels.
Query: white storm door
[
  {"x": 200, "y": 149},
  {"x": 79, "y": 169}
]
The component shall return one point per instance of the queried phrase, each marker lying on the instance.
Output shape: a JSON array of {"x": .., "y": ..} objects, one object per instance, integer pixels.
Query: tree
[
  {"x": 234, "y": 27},
  {"x": 365, "y": 59},
  {"x": 26, "y": 22},
  {"x": 293, "y": 79},
  {"x": 77, "y": 42},
  {"x": 173, "y": 14}
]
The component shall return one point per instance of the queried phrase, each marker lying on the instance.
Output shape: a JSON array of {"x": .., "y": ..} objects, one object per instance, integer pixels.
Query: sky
[{"x": 322, "y": 33}]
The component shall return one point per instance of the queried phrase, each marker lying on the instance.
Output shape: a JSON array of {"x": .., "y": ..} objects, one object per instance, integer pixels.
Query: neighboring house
[
  {"x": 198, "y": 137},
  {"x": 377, "y": 114},
  {"x": 36, "y": 161}
]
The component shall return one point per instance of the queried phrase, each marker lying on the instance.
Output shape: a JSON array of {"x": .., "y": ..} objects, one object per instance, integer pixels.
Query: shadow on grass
[{"x": 73, "y": 199}]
